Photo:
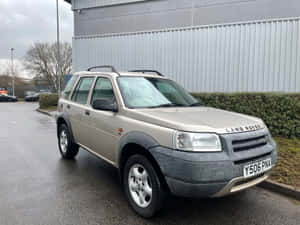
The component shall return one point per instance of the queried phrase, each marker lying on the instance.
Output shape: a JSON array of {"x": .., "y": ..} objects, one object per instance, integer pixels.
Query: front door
[{"x": 104, "y": 136}]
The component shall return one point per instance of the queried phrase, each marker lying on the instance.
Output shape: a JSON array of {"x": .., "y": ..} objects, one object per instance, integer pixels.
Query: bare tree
[
  {"x": 6, "y": 67},
  {"x": 41, "y": 59}
]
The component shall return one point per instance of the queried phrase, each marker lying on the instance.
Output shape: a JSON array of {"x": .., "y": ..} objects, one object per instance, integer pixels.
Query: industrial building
[{"x": 205, "y": 45}]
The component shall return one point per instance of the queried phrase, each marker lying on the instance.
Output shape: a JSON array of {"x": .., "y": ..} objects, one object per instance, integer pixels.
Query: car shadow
[{"x": 99, "y": 176}]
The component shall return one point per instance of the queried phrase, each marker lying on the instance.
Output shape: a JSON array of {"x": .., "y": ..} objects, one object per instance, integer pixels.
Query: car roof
[{"x": 121, "y": 74}]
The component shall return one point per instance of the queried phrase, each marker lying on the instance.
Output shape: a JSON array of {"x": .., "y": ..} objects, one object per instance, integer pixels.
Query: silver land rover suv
[{"x": 161, "y": 139}]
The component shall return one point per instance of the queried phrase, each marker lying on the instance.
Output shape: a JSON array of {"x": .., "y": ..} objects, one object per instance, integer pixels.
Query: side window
[
  {"x": 103, "y": 90},
  {"x": 82, "y": 90},
  {"x": 69, "y": 86}
]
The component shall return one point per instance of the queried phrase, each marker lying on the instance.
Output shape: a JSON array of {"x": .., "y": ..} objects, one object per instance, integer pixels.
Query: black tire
[
  {"x": 71, "y": 149},
  {"x": 158, "y": 195}
]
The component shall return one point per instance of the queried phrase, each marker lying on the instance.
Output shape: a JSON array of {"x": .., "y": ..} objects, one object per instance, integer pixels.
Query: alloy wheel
[{"x": 140, "y": 187}]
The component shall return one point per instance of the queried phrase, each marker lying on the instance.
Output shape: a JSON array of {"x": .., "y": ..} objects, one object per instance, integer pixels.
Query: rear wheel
[
  {"x": 142, "y": 186},
  {"x": 68, "y": 149}
]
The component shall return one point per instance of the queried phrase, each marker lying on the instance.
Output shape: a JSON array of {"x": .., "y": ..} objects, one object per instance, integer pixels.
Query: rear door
[{"x": 78, "y": 108}]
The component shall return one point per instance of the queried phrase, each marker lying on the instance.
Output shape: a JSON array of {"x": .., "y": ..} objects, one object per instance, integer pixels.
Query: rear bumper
[{"x": 191, "y": 174}]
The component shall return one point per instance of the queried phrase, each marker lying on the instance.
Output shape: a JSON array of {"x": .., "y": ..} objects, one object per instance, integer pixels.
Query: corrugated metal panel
[
  {"x": 253, "y": 56},
  {"x": 83, "y": 4}
]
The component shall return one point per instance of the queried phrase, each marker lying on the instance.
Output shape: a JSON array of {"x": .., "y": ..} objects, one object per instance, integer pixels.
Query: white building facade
[{"x": 205, "y": 45}]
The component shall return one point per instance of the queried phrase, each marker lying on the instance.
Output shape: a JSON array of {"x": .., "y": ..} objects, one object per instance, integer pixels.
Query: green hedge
[
  {"x": 48, "y": 100},
  {"x": 281, "y": 112}
]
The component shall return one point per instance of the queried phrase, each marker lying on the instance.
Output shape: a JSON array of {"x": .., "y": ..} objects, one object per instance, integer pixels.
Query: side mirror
[{"x": 105, "y": 105}]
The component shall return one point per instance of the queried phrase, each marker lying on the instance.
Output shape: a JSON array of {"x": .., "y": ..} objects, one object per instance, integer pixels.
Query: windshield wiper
[
  {"x": 195, "y": 104},
  {"x": 166, "y": 105}
]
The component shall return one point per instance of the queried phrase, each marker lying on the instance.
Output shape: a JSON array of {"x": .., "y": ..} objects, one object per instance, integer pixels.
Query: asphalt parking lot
[{"x": 37, "y": 187}]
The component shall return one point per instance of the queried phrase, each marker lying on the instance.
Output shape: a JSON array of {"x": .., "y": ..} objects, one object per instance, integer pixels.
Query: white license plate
[{"x": 257, "y": 168}]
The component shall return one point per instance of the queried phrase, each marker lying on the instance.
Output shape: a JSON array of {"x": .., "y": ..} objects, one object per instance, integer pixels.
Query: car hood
[{"x": 198, "y": 119}]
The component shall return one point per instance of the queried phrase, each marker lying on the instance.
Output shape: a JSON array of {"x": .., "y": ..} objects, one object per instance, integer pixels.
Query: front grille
[{"x": 249, "y": 143}]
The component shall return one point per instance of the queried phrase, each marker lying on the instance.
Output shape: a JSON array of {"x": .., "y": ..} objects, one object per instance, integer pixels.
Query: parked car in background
[
  {"x": 35, "y": 97},
  {"x": 161, "y": 138},
  {"x": 27, "y": 93},
  {"x": 45, "y": 92},
  {"x": 8, "y": 98},
  {"x": 32, "y": 98}
]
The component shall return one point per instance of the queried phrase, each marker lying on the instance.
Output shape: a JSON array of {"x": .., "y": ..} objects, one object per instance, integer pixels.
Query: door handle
[
  {"x": 87, "y": 112},
  {"x": 68, "y": 106}
]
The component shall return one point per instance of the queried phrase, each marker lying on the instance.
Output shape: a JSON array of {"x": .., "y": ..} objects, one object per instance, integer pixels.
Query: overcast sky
[{"x": 23, "y": 22}]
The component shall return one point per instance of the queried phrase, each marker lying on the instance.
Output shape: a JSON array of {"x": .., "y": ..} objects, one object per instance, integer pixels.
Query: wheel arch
[
  {"x": 139, "y": 143},
  {"x": 62, "y": 118}
]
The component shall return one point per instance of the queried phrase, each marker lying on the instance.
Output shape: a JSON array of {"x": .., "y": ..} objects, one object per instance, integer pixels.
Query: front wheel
[
  {"x": 142, "y": 186},
  {"x": 68, "y": 149}
]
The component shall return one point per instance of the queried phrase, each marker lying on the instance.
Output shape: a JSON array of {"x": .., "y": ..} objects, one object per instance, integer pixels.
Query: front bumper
[
  {"x": 241, "y": 183},
  {"x": 192, "y": 174}
]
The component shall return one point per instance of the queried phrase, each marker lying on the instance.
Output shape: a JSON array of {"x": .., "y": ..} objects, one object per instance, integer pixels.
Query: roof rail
[
  {"x": 105, "y": 66},
  {"x": 147, "y": 71}
]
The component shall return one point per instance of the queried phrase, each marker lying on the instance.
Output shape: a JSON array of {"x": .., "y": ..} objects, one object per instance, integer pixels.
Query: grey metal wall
[
  {"x": 251, "y": 56},
  {"x": 163, "y": 14}
]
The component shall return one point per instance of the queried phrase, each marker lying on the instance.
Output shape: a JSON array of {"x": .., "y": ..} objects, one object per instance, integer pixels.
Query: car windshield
[{"x": 149, "y": 92}]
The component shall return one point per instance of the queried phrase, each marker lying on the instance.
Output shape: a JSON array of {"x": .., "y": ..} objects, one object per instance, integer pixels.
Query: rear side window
[
  {"x": 103, "y": 90},
  {"x": 69, "y": 86},
  {"x": 81, "y": 93}
]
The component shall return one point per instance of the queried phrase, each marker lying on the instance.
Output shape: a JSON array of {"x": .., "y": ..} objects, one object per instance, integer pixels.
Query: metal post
[
  {"x": 12, "y": 70},
  {"x": 58, "y": 49}
]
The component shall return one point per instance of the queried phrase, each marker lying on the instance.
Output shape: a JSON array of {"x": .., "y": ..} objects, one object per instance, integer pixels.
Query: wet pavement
[{"x": 37, "y": 187}]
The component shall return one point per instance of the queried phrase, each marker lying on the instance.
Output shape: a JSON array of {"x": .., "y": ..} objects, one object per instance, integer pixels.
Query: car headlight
[{"x": 197, "y": 142}]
